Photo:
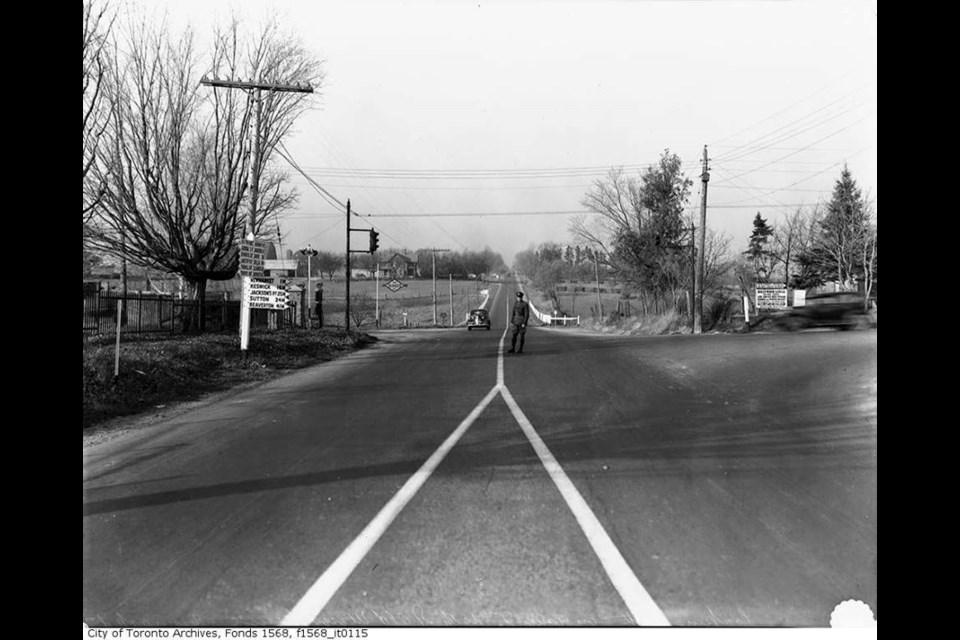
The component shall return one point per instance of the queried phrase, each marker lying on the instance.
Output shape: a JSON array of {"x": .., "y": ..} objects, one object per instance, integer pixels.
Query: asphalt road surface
[{"x": 432, "y": 479}]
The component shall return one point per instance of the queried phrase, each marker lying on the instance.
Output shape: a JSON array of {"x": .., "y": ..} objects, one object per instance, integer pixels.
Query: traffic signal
[{"x": 374, "y": 240}]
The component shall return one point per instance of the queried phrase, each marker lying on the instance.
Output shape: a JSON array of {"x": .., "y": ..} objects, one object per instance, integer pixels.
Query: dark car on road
[
  {"x": 479, "y": 319},
  {"x": 843, "y": 310}
]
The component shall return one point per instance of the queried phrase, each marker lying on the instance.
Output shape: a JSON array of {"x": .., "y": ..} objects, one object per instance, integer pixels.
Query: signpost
[
  {"x": 255, "y": 294},
  {"x": 251, "y": 266}
]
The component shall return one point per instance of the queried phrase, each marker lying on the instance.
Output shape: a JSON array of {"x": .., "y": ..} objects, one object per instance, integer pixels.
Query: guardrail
[
  {"x": 544, "y": 318},
  {"x": 548, "y": 319}
]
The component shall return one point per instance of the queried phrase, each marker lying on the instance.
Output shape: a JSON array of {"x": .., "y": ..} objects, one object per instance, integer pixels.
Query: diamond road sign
[{"x": 394, "y": 285}]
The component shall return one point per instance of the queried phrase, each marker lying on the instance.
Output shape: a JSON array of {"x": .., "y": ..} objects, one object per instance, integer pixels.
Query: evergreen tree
[
  {"x": 758, "y": 251},
  {"x": 837, "y": 254}
]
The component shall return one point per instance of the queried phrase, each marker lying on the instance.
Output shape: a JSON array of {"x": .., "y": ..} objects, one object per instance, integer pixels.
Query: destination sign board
[
  {"x": 265, "y": 295},
  {"x": 771, "y": 296},
  {"x": 252, "y": 258}
]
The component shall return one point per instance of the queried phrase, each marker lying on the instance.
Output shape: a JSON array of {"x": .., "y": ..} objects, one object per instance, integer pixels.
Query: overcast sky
[{"x": 513, "y": 109}]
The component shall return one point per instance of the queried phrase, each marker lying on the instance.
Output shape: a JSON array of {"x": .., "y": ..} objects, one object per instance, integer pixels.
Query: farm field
[{"x": 411, "y": 306}]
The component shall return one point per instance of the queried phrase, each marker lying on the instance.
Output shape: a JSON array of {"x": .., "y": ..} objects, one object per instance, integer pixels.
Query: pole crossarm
[{"x": 267, "y": 86}]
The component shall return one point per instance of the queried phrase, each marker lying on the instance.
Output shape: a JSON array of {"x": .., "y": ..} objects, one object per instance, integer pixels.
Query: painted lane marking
[
  {"x": 638, "y": 601},
  {"x": 317, "y": 597},
  {"x": 500, "y": 349},
  {"x": 645, "y": 611}
]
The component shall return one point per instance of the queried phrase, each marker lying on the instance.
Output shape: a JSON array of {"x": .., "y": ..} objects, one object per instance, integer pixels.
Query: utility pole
[
  {"x": 451, "y": 299},
  {"x": 693, "y": 272},
  {"x": 434, "y": 252},
  {"x": 596, "y": 271},
  {"x": 256, "y": 88},
  {"x": 698, "y": 282},
  {"x": 346, "y": 312}
]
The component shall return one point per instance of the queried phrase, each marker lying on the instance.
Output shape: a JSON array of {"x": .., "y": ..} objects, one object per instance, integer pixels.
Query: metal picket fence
[{"x": 155, "y": 313}]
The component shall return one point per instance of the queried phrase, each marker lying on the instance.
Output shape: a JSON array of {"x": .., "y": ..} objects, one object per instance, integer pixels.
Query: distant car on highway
[
  {"x": 479, "y": 319},
  {"x": 843, "y": 310}
]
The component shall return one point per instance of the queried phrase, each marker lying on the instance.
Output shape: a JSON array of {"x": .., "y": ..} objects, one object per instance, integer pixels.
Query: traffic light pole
[{"x": 374, "y": 243}]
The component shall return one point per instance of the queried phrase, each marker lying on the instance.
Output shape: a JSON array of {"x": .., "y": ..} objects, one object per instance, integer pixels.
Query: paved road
[{"x": 432, "y": 480}]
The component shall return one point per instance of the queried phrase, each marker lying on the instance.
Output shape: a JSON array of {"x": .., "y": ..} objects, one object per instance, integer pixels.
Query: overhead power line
[
  {"x": 827, "y": 137},
  {"x": 453, "y": 214},
  {"x": 763, "y": 145}
]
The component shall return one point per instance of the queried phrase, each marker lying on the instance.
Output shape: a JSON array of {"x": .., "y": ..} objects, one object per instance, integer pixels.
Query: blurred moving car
[
  {"x": 844, "y": 310},
  {"x": 479, "y": 319}
]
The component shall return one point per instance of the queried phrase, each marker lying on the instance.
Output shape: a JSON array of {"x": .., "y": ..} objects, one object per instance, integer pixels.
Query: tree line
[
  {"x": 452, "y": 263},
  {"x": 642, "y": 234}
]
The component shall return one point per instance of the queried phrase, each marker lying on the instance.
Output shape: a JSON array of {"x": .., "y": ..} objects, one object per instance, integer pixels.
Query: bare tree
[
  {"x": 175, "y": 162},
  {"x": 639, "y": 227},
  {"x": 617, "y": 202},
  {"x": 97, "y": 24},
  {"x": 361, "y": 308},
  {"x": 329, "y": 263},
  {"x": 787, "y": 236},
  {"x": 805, "y": 251},
  {"x": 718, "y": 260},
  {"x": 869, "y": 255}
]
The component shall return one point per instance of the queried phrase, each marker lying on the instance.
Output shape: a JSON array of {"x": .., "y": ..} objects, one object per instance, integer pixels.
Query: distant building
[
  {"x": 400, "y": 266},
  {"x": 285, "y": 268},
  {"x": 276, "y": 267}
]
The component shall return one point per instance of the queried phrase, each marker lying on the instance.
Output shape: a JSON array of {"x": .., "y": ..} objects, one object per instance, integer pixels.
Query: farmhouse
[{"x": 400, "y": 266}]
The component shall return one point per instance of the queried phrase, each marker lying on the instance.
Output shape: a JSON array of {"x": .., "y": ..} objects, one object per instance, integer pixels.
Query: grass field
[{"x": 415, "y": 300}]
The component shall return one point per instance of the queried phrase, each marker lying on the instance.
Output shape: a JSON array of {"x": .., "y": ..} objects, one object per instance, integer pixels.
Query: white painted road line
[
  {"x": 500, "y": 348},
  {"x": 645, "y": 611},
  {"x": 316, "y": 598}
]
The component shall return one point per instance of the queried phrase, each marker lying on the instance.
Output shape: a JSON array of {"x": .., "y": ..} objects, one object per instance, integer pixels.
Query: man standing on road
[{"x": 519, "y": 318}]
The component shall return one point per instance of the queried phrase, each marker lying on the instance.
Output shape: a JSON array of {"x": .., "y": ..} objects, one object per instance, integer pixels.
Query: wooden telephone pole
[
  {"x": 434, "y": 252},
  {"x": 698, "y": 282},
  {"x": 346, "y": 308},
  {"x": 256, "y": 88}
]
